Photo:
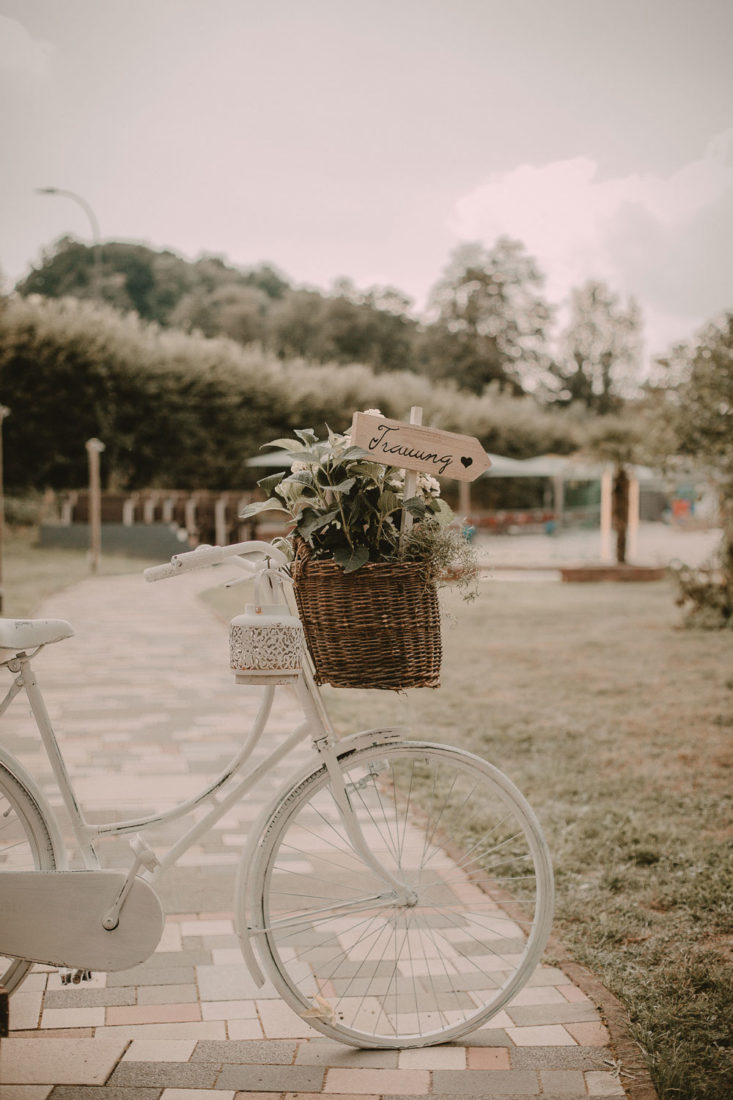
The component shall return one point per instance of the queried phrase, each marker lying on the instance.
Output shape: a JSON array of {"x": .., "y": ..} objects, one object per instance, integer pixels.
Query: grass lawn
[{"x": 616, "y": 724}]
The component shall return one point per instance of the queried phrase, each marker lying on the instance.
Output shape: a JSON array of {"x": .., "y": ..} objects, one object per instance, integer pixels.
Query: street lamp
[{"x": 97, "y": 257}]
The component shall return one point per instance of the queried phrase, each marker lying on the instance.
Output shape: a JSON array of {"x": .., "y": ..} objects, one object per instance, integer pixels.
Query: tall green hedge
[{"x": 183, "y": 411}]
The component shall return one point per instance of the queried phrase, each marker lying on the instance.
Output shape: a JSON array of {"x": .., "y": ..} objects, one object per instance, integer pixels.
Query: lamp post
[{"x": 97, "y": 256}]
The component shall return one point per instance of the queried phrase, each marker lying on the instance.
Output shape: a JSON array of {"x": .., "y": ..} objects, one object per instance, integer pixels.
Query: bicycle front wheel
[
  {"x": 25, "y": 845},
  {"x": 376, "y": 966}
]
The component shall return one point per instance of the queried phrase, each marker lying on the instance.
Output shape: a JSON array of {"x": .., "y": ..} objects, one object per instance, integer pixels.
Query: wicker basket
[{"x": 378, "y": 627}]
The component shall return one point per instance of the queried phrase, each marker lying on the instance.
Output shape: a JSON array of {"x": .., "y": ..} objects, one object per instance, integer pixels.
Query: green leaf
[
  {"x": 351, "y": 560},
  {"x": 416, "y": 507},
  {"x": 352, "y": 453},
  {"x": 271, "y": 505},
  {"x": 368, "y": 469},
  {"x": 267, "y": 484},
  {"x": 311, "y": 521},
  {"x": 343, "y": 486},
  {"x": 301, "y": 477},
  {"x": 307, "y": 436},
  {"x": 388, "y": 502},
  {"x": 284, "y": 444},
  {"x": 305, "y": 456}
]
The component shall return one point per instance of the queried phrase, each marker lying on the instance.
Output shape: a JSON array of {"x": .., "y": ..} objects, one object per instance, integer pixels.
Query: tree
[
  {"x": 600, "y": 349},
  {"x": 491, "y": 318},
  {"x": 703, "y": 421},
  {"x": 232, "y": 310}
]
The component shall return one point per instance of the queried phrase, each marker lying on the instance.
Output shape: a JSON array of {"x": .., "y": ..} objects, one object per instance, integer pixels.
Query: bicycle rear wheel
[
  {"x": 25, "y": 845},
  {"x": 368, "y": 967}
]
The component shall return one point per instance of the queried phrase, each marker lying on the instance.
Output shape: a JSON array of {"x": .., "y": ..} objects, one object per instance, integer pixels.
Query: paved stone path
[{"x": 159, "y": 714}]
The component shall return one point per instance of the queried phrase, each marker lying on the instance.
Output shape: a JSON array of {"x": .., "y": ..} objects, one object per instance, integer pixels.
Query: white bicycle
[{"x": 397, "y": 893}]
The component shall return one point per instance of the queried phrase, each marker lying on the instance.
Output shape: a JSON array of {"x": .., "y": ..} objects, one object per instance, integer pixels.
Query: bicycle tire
[
  {"x": 371, "y": 971},
  {"x": 25, "y": 845}
]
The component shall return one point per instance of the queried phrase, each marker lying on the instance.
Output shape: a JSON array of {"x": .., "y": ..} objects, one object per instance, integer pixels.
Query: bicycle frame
[{"x": 223, "y": 792}]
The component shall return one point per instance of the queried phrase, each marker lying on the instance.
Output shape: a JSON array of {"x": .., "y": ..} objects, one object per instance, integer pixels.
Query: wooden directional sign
[{"x": 413, "y": 447}]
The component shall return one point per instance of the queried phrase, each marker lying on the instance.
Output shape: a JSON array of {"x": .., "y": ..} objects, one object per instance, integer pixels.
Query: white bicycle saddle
[{"x": 21, "y": 634}]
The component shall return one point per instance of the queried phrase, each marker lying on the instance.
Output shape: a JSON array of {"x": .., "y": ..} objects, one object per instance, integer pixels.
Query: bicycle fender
[
  {"x": 246, "y": 902},
  {"x": 13, "y": 765},
  {"x": 55, "y": 917}
]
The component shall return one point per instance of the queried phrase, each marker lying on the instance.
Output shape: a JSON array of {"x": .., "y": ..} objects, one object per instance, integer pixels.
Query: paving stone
[
  {"x": 26, "y": 1092},
  {"x": 72, "y": 1017},
  {"x": 81, "y": 1092},
  {"x": 166, "y": 994},
  {"x": 87, "y": 998},
  {"x": 165, "y": 1074},
  {"x": 589, "y": 1034},
  {"x": 174, "y": 975},
  {"x": 160, "y": 1050},
  {"x": 487, "y": 1037},
  {"x": 203, "y": 1029},
  {"x": 280, "y": 1022},
  {"x": 486, "y": 1083},
  {"x": 153, "y": 1014},
  {"x": 196, "y": 889},
  {"x": 25, "y": 1009},
  {"x": 199, "y": 1094},
  {"x": 253, "y": 1078},
  {"x": 585, "y": 1058},
  {"x": 549, "y": 1035},
  {"x": 244, "y": 1029},
  {"x": 41, "y": 1061},
  {"x": 562, "y": 1082},
  {"x": 231, "y": 983},
  {"x": 377, "y": 1080},
  {"x": 326, "y": 1052},
  {"x": 273, "y": 1052},
  {"x": 435, "y": 1057},
  {"x": 603, "y": 1084},
  {"x": 488, "y": 1058},
  {"x": 533, "y": 1015},
  {"x": 193, "y": 957}
]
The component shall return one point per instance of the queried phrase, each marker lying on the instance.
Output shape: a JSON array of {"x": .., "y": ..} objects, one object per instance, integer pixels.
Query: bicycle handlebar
[{"x": 204, "y": 556}]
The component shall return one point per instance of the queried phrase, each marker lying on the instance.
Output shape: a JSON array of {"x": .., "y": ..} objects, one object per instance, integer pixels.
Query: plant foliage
[{"x": 350, "y": 509}]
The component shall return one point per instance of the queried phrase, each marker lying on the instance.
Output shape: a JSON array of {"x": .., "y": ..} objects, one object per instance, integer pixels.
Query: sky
[{"x": 368, "y": 138}]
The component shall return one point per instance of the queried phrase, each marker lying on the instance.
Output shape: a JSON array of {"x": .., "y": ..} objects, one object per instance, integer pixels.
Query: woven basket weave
[{"x": 378, "y": 627}]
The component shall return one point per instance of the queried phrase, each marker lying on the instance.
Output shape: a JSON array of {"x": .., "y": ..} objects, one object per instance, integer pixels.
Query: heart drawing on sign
[{"x": 466, "y": 462}]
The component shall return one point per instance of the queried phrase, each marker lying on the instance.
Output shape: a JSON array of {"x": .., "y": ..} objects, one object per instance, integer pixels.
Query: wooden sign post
[{"x": 414, "y": 447}]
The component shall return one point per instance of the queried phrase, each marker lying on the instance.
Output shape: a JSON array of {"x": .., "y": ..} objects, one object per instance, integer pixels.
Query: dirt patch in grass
[{"x": 616, "y": 724}]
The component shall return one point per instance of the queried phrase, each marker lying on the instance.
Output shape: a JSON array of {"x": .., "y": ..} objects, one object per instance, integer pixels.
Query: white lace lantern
[{"x": 265, "y": 644}]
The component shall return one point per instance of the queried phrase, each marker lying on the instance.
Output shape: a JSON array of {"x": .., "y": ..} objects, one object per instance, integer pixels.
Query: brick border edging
[{"x": 615, "y": 1017}]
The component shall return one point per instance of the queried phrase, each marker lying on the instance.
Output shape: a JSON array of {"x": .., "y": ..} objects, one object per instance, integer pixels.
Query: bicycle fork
[{"x": 403, "y": 894}]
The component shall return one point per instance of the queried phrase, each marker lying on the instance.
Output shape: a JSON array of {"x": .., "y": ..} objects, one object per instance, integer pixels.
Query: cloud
[
  {"x": 19, "y": 51},
  {"x": 655, "y": 236}
]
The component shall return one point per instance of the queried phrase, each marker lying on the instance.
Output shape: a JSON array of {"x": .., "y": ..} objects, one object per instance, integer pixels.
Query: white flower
[
  {"x": 428, "y": 484},
  {"x": 299, "y": 466},
  {"x": 373, "y": 412}
]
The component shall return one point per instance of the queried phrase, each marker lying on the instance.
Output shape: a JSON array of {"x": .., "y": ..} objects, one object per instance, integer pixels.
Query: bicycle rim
[
  {"x": 25, "y": 845},
  {"x": 371, "y": 968}
]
